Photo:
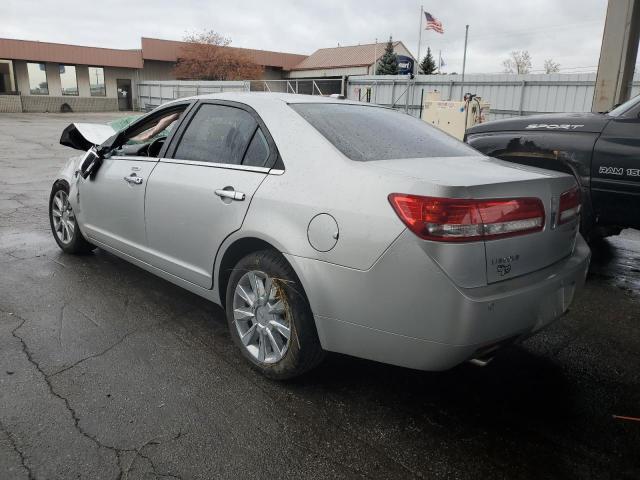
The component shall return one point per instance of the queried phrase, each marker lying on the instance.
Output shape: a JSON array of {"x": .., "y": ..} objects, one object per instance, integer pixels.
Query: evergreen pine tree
[
  {"x": 388, "y": 64},
  {"x": 428, "y": 64}
]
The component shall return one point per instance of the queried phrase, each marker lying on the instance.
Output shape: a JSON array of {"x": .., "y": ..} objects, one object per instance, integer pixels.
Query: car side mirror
[{"x": 90, "y": 163}]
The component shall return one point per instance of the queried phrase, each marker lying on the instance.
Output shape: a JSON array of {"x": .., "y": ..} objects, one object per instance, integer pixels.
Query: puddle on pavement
[{"x": 617, "y": 261}]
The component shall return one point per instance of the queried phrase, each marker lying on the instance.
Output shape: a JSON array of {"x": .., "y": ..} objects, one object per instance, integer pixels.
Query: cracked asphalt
[{"x": 107, "y": 372}]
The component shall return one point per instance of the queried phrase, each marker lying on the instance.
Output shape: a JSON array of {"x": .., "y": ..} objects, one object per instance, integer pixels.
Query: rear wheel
[
  {"x": 63, "y": 222},
  {"x": 270, "y": 318}
]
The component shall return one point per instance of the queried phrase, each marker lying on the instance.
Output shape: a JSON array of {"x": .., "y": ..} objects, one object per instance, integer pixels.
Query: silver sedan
[{"x": 321, "y": 224}]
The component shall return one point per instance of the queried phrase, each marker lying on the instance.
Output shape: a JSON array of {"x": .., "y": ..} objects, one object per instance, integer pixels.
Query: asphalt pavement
[{"x": 107, "y": 372}]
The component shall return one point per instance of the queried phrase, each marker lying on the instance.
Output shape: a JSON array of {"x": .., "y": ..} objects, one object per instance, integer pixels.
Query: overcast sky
[{"x": 569, "y": 31}]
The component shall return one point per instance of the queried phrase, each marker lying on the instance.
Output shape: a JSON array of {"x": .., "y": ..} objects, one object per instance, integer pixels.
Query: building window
[
  {"x": 6, "y": 77},
  {"x": 38, "y": 79},
  {"x": 96, "y": 82},
  {"x": 68, "y": 80}
]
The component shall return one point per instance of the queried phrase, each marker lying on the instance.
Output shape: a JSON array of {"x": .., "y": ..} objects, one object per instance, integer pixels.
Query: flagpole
[
  {"x": 439, "y": 61},
  {"x": 417, "y": 63},
  {"x": 464, "y": 62}
]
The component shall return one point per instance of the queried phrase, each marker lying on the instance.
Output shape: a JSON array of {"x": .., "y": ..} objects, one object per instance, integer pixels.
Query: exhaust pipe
[
  {"x": 481, "y": 362},
  {"x": 484, "y": 355}
]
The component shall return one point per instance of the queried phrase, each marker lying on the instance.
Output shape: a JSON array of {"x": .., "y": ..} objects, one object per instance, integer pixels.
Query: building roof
[
  {"x": 169, "y": 51},
  {"x": 152, "y": 49},
  {"x": 72, "y": 54},
  {"x": 347, "y": 56}
]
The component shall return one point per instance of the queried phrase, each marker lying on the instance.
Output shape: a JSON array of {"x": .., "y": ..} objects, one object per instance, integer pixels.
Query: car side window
[
  {"x": 258, "y": 151},
  {"x": 217, "y": 134},
  {"x": 137, "y": 142}
]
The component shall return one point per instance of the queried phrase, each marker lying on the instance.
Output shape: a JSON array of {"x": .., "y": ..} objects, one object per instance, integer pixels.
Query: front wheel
[
  {"x": 64, "y": 225},
  {"x": 270, "y": 318}
]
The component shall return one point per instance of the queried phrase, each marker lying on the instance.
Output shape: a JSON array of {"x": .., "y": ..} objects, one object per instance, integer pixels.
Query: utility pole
[
  {"x": 375, "y": 57},
  {"x": 464, "y": 61},
  {"x": 618, "y": 54}
]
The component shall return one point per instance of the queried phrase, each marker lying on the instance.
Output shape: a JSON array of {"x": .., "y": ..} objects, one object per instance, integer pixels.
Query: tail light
[
  {"x": 570, "y": 206},
  {"x": 465, "y": 220}
]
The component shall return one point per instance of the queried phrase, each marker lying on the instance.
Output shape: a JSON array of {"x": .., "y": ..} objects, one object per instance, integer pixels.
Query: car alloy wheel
[
  {"x": 262, "y": 317},
  {"x": 64, "y": 220}
]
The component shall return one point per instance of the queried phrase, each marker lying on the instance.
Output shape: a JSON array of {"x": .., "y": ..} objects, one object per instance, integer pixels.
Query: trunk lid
[{"x": 488, "y": 178}]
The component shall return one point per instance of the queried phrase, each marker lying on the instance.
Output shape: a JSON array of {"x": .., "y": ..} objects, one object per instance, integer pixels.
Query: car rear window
[{"x": 366, "y": 133}]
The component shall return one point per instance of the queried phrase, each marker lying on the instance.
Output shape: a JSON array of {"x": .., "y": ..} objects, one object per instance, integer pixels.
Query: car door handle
[
  {"x": 133, "y": 179},
  {"x": 232, "y": 194}
]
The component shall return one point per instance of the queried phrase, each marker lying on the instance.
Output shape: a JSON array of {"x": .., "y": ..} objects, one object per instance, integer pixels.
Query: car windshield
[
  {"x": 367, "y": 133},
  {"x": 626, "y": 106},
  {"x": 122, "y": 123}
]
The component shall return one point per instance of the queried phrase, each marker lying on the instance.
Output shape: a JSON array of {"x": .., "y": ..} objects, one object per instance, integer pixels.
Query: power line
[
  {"x": 527, "y": 32},
  {"x": 540, "y": 70},
  {"x": 476, "y": 41},
  {"x": 516, "y": 33}
]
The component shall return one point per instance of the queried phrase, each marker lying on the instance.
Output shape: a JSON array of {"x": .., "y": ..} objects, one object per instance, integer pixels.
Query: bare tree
[
  {"x": 550, "y": 66},
  {"x": 207, "y": 56},
  {"x": 519, "y": 62}
]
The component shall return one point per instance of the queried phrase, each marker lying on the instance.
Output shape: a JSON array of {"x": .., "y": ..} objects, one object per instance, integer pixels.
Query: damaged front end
[
  {"x": 94, "y": 139},
  {"x": 83, "y": 136}
]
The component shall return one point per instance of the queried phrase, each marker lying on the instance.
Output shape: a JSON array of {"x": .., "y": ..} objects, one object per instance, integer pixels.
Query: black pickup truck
[{"x": 602, "y": 150}]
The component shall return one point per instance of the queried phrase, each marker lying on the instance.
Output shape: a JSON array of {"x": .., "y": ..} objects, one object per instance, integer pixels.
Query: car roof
[{"x": 251, "y": 98}]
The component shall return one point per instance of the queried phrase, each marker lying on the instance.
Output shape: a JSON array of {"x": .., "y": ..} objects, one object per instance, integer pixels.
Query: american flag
[{"x": 433, "y": 23}]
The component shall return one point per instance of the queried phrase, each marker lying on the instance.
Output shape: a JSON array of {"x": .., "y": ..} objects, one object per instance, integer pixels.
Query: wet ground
[{"x": 109, "y": 372}]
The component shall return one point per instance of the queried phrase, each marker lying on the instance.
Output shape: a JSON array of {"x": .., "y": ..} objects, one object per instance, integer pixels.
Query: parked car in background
[
  {"x": 601, "y": 150},
  {"x": 321, "y": 224}
]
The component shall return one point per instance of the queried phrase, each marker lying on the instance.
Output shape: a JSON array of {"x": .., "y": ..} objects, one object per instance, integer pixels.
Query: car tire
[
  {"x": 64, "y": 225},
  {"x": 275, "y": 329}
]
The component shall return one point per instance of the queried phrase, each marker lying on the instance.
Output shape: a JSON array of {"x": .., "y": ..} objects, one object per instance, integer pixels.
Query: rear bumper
[{"x": 406, "y": 311}]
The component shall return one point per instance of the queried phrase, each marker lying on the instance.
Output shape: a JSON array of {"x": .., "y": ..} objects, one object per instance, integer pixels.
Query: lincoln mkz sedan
[{"x": 321, "y": 224}]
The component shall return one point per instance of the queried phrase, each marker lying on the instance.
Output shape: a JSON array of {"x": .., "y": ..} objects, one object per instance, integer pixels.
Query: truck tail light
[
  {"x": 569, "y": 206},
  {"x": 465, "y": 220}
]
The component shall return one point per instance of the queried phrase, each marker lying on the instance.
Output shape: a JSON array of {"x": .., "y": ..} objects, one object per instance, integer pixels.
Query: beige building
[
  {"x": 53, "y": 77},
  {"x": 345, "y": 61},
  {"x": 39, "y": 76}
]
